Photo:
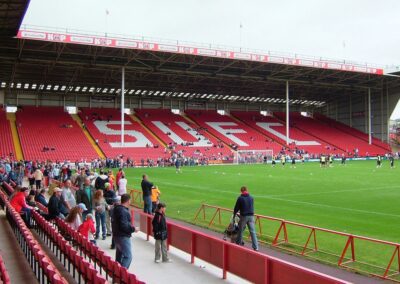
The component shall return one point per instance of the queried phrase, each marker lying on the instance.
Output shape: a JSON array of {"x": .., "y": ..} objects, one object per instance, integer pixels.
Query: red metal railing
[{"x": 304, "y": 241}]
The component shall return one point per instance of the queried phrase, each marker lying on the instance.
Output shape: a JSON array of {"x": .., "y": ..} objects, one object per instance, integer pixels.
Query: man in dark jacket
[
  {"x": 245, "y": 205},
  {"x": 160, "y": 234},
  {"x": 101, "y": 181},
  {"x": 122, "y": 230},
  {"x": 40, "y": 198},
  {"x": 146, "y": 191},
  {"x": 54, "y": 205},
  {"x": 85, "y": 195}
]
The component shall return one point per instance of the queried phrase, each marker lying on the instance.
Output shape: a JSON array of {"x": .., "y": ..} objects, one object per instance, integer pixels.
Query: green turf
[{"x": 357, "y": 198}]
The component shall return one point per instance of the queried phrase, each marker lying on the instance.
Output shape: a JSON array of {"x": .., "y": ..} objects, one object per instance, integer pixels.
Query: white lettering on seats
[
  {"x": 203, "y": 142},
  {"x": 267, "y": 126},
  {"x": 141, "y": 140},
  {"x": 223, "y": 131}
]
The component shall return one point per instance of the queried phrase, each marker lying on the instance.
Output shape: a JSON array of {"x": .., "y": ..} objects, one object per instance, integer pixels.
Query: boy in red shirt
[{"x": 87, "y": 228}]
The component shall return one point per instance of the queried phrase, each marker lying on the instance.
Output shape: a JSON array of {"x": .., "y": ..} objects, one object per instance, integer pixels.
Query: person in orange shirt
[
  {"x": 19, "y": 204},
  {"x": 111, "y": 179},
  {"x": 155, "y": 198}
]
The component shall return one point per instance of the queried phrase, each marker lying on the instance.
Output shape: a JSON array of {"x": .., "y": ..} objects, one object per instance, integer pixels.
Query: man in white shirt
[
  {"x": 122, "y": 185},
  {"x": 68, "y": 195}
]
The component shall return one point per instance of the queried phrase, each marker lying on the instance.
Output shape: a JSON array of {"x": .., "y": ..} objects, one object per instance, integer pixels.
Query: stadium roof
[{"x": 67, "y": 67}]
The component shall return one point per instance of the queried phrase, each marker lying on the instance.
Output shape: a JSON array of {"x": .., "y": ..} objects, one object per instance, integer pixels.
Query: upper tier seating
[
  {"x": 353, "y": 131},
  {"x": 173, "y": 129},
  {"x": 277, "y": 131},
  {"x": 332, "y": 135},
  {"x": 232, "y": 132},
  {"x": 52, "y": 128},
  {"x": 6, "y": 140},
  {"x": 104, "y": 125}
]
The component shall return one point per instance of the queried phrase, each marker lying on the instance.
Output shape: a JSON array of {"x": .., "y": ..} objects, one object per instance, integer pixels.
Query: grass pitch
[{"x": 357, "y": 198}]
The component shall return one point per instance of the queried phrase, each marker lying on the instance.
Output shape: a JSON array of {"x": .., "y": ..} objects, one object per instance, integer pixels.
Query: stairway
[
  {"x": 17, "y": 143},
  {"x": 88, "y": 136}
]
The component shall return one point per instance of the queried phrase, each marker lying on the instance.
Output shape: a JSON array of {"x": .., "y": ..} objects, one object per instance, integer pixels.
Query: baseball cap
[{"x": 82, "y": 206}]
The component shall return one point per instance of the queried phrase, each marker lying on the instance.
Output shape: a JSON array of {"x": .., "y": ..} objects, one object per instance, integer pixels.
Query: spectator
[
  {"x": 85, "y": 196},
  {"x": 55, "y": 204},
  {"x": 109, "y": 196},
  {"x": 80, "y": 179},
  {"x": 146, "y": 190},
  {"x": 122, "y": 182},
  {"x": 68, "y": 196},
  {"x": 122, "y": 230},
  {"x": 155, "y": 198},
  {"x": 38, "y": 175},
  {"x": 111, "y": 179},
  {"x": 160, "y": 234},
  {"x": 118, "y": 177},
  {"x": 40, "y": 198},
  {"x": 19, "y": 203},
  {"x": 245, "y": 205},
  {"x": 87, "y": 228},
  {"x": 100, "y": 181},
  {"x": 74, "y": 218},
  {"x": 100, "y": 207}
]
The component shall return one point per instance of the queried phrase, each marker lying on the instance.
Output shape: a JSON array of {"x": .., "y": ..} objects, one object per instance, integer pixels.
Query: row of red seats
[
  {"x": 84, "y": 269},
  {"x": 32, "y": 249},
  {"x": 331, "y": 135},
  {"x": 353, "y": 131},
  {"x": 255, "y": 140},
  {"x": 52, "y": 127},
  {"x": 6, "y": 140},
  {"x": 99, "y": 258},
  {"x": 89, "y": 117},
  {"x": 170, "y": 120},
  {"x": 4, "y": 277},
  {"x": 254, "y": 119}
]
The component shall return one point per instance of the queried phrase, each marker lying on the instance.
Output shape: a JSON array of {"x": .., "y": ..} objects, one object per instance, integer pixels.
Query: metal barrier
[
  {"x": 231, "y": 258},
  {"x": 303, "y": 240}
]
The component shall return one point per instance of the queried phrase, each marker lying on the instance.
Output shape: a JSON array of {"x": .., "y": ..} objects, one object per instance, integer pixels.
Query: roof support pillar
[
  {"x": 369, "y": 117},
  {"x": 123, "y": 107},
  {"x": 287, "y": 112}
]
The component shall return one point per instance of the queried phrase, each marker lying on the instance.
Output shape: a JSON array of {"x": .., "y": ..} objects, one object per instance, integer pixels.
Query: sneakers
[
  {"x": 103, "y": 238},
  {"x": 157, "y": 261}
]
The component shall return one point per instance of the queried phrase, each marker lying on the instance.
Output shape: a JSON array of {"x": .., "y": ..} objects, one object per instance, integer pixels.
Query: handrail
[
  {"x": 224, "y": 255},
  {"x": 287, "y": 244}
]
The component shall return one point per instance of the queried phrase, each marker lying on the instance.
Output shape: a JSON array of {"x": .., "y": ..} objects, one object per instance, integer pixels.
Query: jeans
[
  {"x": 27, "y": 216},
  {"x": 249, "y": 221},
  {"x": 108, "y": 221},
  {"x": 147, "y": 204},
  {"x": 100, "y": 219},
  {"x": 123, "y": 253}
]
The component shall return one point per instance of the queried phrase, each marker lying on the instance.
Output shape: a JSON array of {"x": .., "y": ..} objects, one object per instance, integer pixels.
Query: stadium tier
[
  {"x": 105, "y": 127},
  {"x": 353, "y": 131},
  {"x": 276, "y": 129},
  {"x": 178, "y": 133},
  {"x": 232, "y": 132},
  {"x": 51, "y": 133},
  {"x": 6, "y": 145},
  {"x": 334, "y": 137}
]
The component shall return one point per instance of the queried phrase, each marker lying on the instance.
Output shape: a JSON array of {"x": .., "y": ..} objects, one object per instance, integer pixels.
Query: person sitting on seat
[
  {"x": 19, "y": 204},
  {"x": 40, "y": 198},
  {"x": 55, "y": 204}
]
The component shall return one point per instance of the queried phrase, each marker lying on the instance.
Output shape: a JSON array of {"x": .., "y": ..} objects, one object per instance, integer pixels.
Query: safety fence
[
  {"x": 231, "y": 258},
  {"x": 362, "y": 254},
  {"x": 41, "y": 265}
]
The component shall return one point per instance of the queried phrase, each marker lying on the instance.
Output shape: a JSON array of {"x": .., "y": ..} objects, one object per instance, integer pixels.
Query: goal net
[{"x": 253, "y": 156}]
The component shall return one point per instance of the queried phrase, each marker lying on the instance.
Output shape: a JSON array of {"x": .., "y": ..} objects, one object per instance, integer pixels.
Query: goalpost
[{"x": 253, "y": 156}]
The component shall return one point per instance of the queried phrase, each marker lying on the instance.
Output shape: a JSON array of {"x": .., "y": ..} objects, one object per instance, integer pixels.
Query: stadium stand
[
  {"x": 350, "y": 130},
  {"x": 50, "y": 133},
  {"x": 6, "y": 145},
  {"x": 231, "y": 131},
  {"x": 331, "y": 135},
  {"x": 4, "y": 277},
  {"x": 277, "y": 131},
  {"x": 104, "y": 126},
  {"x": 183, "y": 135}
]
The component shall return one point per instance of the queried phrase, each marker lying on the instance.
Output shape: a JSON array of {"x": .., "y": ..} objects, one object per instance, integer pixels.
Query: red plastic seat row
[
  {"x": 97, "y": 256},
  {"x": 8, "y": 188},
  {"x": 28, "y": 242},
  {"x": 84, "y": 268},
  {"x": 6, "y": 140}
]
